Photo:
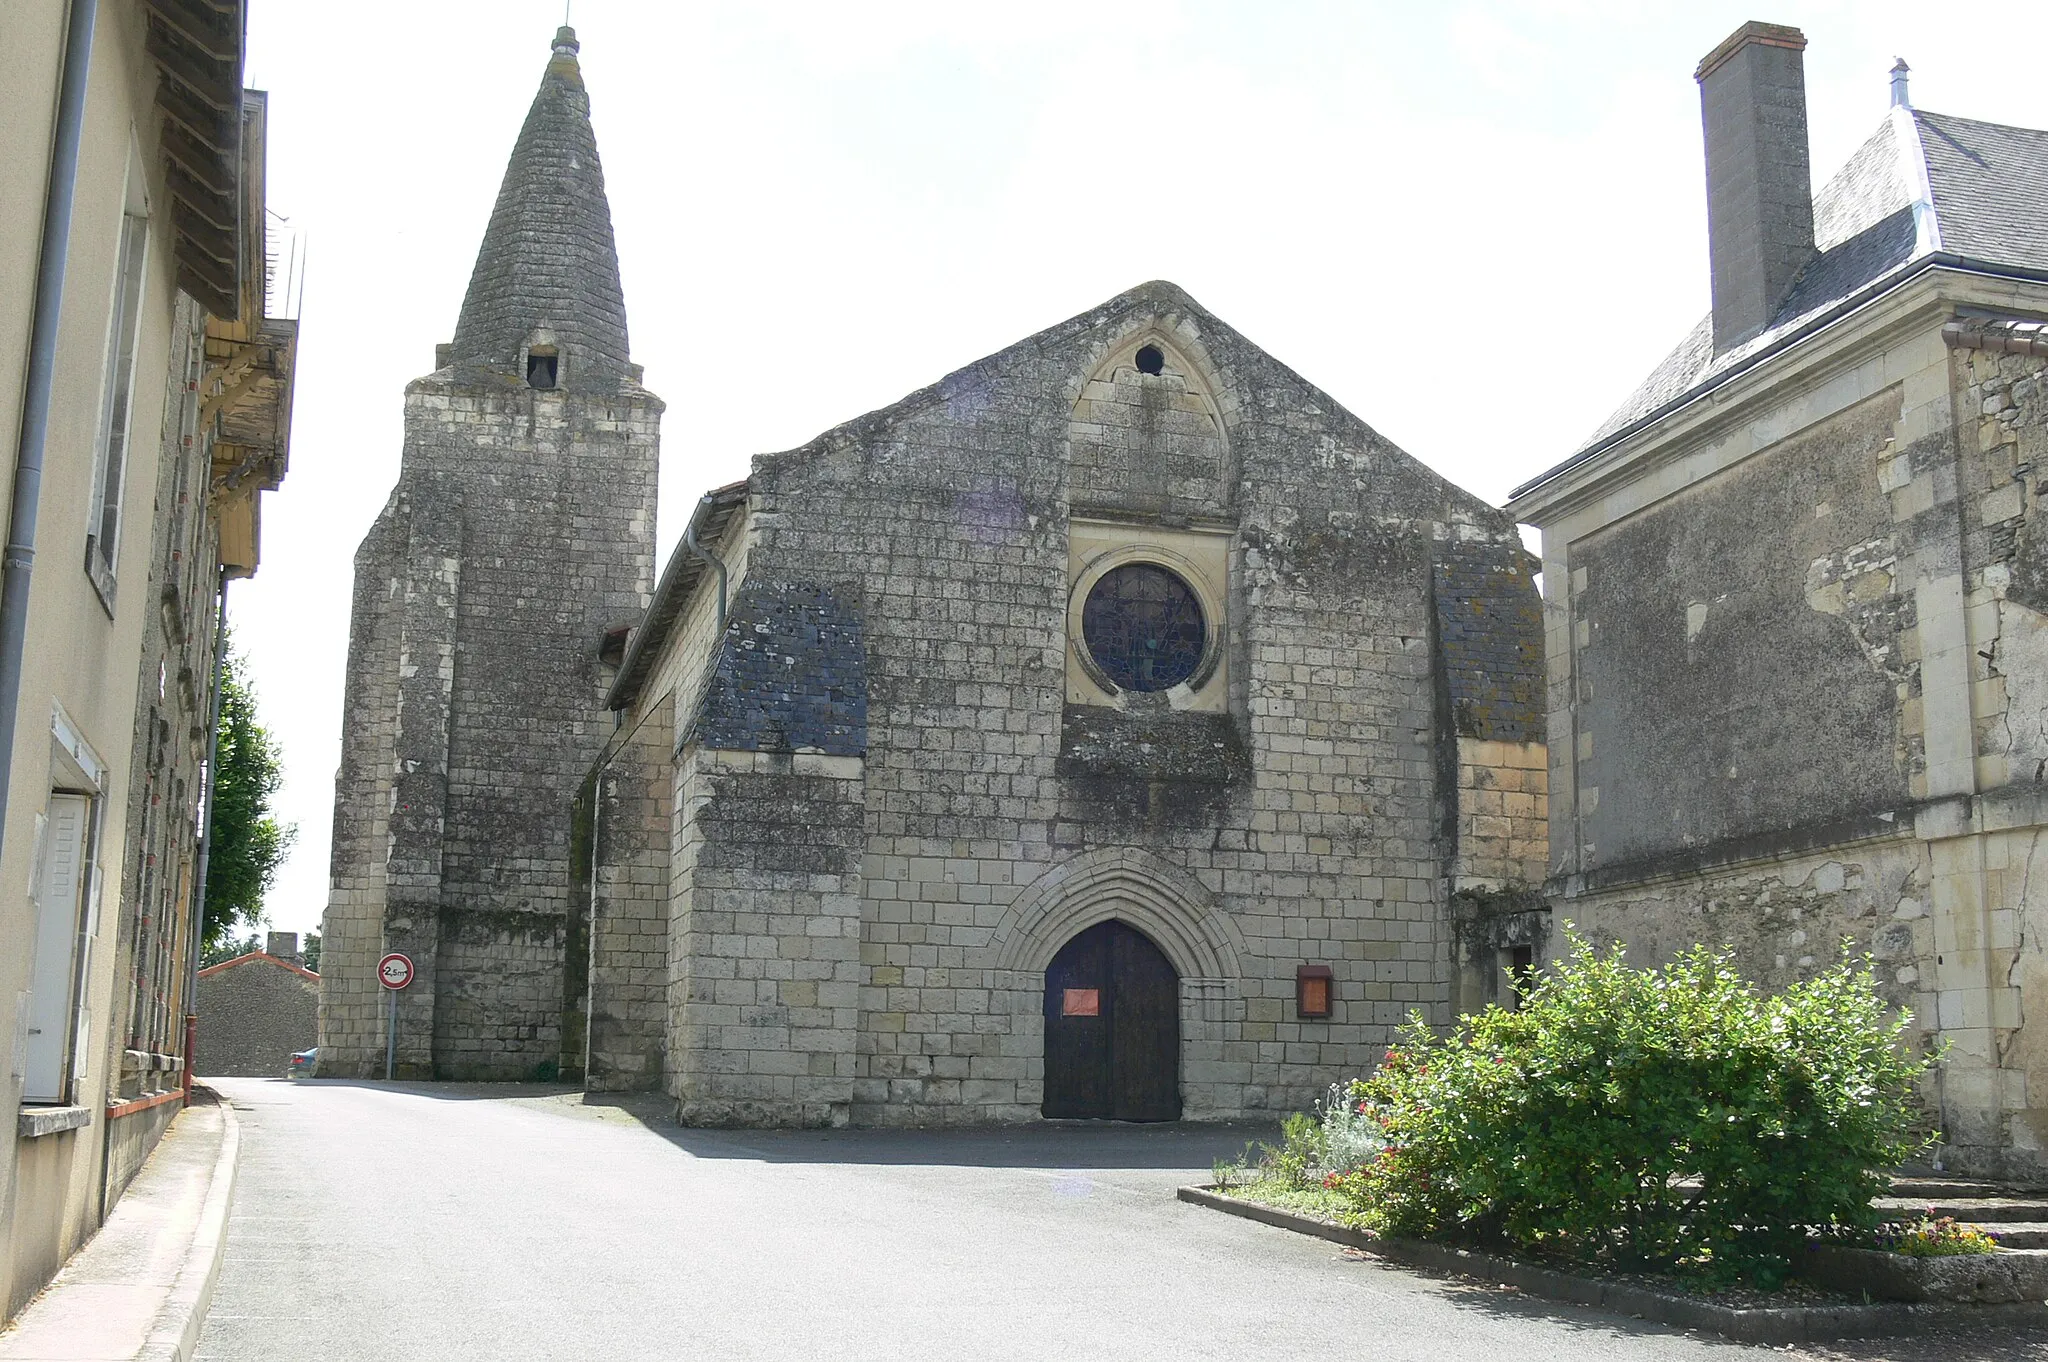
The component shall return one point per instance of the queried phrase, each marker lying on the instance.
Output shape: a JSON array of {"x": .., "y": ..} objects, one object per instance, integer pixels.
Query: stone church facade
[
  {"x": 1117, "y": 727},
  {"x": 1126, "y": 623}
]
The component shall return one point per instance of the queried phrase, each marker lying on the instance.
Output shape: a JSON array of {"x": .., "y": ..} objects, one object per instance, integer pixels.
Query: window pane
[{"x": 106, "y": 527}]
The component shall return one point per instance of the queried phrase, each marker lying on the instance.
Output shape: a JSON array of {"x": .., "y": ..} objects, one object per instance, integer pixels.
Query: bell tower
[{"x": 520, "y": 532}]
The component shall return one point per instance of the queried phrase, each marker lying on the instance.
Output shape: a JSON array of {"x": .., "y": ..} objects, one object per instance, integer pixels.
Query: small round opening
[{"x": 1151, "y": 360}]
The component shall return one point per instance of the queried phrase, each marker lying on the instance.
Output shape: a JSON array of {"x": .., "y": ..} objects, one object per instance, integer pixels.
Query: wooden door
[{"x": 1112, "y": 1029}]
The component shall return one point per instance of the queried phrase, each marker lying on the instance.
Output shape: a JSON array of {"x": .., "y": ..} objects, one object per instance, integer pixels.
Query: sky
[{"x": 1475, "y": 225}]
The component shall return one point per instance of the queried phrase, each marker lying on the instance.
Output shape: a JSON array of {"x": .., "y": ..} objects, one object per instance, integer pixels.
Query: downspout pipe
[
  {"x": 196, "y": 936},
  {"x": 18, "y": 561},
  {"x": 703, "y": 554}
]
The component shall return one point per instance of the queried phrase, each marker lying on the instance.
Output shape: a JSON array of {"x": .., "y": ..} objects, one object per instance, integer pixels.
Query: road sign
[{"x": 394, "y": 971}]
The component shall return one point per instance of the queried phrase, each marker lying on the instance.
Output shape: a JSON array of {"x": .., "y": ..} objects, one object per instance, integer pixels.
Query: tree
[
  {"x": 248, "y": 842},
  {"x": 309, "y": 953},
  {"x": 228, "y": 947}
]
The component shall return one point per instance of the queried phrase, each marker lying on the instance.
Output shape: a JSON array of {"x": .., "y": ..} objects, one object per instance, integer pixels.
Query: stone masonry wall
[
  {"x": 1907, "y": 503},
  {"x": 171, "y": 738},
  {"x": 984, "y": 842},
  {"x": 627, "y": 1006},
  {"x": 766, "y": 936},
  {"x": 521, "y": 532},
  {"x": 352, "y": 1004},
  {"x": 2000, "y": 876}
]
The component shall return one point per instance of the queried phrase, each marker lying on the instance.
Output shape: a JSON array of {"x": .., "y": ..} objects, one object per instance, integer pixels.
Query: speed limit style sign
[{"x": 394, "y": 971}]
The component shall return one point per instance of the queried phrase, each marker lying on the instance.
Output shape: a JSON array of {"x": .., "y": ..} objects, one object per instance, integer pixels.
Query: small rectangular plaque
[
  {"x": 1081, "y": 1002},
  {"x": 1314, "y": 987}
]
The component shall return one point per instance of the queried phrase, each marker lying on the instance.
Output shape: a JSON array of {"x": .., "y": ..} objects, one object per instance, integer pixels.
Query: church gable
[
  {"x": 1147, "y": 435},
  {"x": 1220, "y": 427}
]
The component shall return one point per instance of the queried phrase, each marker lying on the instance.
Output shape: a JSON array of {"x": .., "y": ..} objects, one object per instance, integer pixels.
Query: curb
[
  {"x": 139, "y": 1288},
  {"x": 1787, "y": 1324},
  {"x": 175, "y": 1335}
]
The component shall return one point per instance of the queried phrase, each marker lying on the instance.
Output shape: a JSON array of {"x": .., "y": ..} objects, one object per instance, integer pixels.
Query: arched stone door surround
[
  {"x": 1164, "y": 902},
  {"x": 1174, "y": 911}
]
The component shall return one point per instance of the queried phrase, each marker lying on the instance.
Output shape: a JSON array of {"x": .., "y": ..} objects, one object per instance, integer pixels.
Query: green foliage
[
  {"x": 310, "y": 952},
  {"x": 227, "y": 948},
  {"x": 1943, "y": 1238},
  {"x": 1300, "y": 1152},
  {"x": 1647, "y": 1117},
  {"x": 248, "y": 842}
]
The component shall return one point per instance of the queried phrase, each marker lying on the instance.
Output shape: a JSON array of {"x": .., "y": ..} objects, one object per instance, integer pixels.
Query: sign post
[{"x": 394, "y": 971}]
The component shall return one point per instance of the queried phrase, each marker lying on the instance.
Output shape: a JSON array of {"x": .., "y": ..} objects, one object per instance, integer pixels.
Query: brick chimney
[
  {"x": 283, "y": 945},
  {"x": 1759, "y": 182}
]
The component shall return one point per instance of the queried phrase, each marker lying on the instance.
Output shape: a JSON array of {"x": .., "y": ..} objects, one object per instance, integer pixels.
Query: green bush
[{"x": 1646, "y": 1117}]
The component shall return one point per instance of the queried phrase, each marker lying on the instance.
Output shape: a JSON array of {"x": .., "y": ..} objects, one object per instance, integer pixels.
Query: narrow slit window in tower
[{"x": 540, "y": 368}]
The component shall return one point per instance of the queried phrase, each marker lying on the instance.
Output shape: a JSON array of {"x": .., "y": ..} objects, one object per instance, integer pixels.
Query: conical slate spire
[{"x": 548, "y": 270}]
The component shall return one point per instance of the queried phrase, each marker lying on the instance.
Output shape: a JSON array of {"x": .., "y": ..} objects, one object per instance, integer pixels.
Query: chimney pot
[
  {"x": 1759, "y": 180},
  {"x": 283, "y": 945}
]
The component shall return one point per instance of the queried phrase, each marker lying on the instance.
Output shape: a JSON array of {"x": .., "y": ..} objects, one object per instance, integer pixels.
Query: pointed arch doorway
[{"x": 1112, "y": 1028}]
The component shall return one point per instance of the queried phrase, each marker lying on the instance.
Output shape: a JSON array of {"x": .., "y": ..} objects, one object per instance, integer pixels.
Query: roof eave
[{"x": 1524, "y": 495}]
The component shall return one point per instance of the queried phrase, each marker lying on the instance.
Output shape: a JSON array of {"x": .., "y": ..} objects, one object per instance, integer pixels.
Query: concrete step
[
  {"x": 1971, "y": 1210},
  {"x": 1948, "y": 1188},
  {"x": 2031, "y": 1235}
]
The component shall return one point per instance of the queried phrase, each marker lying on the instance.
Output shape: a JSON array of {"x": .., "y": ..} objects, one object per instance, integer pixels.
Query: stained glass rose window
[{"x": 1143, "y": 626}]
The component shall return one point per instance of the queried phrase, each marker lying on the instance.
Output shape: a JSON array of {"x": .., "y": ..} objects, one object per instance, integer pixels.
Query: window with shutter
[{"x": 55, "y": 1011}]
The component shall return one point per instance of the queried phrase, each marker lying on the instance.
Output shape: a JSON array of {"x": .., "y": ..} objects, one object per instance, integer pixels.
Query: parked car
[{"x": 303, "y": 1062}]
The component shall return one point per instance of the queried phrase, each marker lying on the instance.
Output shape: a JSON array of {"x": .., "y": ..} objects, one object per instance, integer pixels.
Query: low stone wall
[{"x": 1983, "y": 1278}]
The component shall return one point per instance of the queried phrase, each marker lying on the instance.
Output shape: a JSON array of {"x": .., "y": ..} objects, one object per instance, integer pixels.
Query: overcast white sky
[{"x": 1475, "y": 225}]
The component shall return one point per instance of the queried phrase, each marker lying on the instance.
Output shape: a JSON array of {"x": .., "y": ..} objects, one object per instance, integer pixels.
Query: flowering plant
[{"x": 1932, "y": 1238}]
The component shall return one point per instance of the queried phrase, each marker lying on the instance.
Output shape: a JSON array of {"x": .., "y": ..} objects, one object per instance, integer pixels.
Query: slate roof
[
  {"x": 548, "y": 260},
  {"x": 1990, "y": 187},
  {"x": 1925, "y": 189},
  {"x": 1489, "y": 627}
]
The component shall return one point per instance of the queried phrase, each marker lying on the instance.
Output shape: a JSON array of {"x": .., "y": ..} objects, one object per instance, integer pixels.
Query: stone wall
[
  {"x": 765, "y": 934},
  {"x": 520, "y": 534},
  {"x": 1700, "y": 734},
  {"x": 623, "y": 875},
  {"x": 255, "y": 1012},
  {"x": 519, "y": 539},
  {"x": 173, "y": 718},
  {"x": 1789, "y": 686}
]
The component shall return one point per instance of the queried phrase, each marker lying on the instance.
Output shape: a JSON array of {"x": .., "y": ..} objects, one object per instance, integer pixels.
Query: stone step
[
  {"x": 1971, "y": 1210},
  {"x": 2030, "y": 1235},
  {"x": 1947, "y": 1188}
]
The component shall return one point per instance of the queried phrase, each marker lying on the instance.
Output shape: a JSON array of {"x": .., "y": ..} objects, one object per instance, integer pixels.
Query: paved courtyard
[{"x": 442, "y": 1221}]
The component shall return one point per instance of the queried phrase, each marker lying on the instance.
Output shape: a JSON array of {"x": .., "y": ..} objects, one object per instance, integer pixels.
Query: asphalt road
[{"x": 480, "y": 1223}]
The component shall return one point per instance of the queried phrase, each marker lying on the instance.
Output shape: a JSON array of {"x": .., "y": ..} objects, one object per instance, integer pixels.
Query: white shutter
[{"x": 53, "y": 975}]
